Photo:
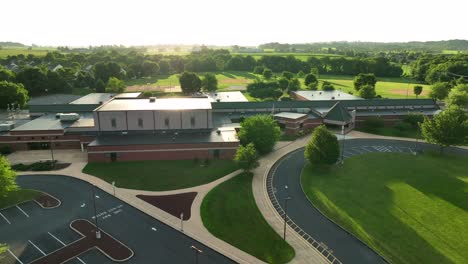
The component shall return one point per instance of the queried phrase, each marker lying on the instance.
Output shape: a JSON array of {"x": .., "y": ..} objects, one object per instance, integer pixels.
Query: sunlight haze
[{"x": 144, "y": 22}]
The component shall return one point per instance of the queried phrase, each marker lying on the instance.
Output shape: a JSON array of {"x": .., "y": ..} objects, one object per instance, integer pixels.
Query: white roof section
[
  {"x": 94, "y": 98},
  {"x": 227, "y": 97},
  {"x": 170, "y": 104},
  {"x": 128, "y": 95},
  {"x": 326, "y": 95},
  {"x": 290, "y": 115}
]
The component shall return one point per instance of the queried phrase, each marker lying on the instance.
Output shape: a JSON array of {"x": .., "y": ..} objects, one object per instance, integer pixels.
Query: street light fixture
[
  {"x": 343, "y": 146},
  {"x": 98, "y": 232},
  {"x": 196, "y": 251}
]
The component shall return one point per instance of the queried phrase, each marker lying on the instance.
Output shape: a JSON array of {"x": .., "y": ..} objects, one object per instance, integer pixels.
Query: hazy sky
[{"x": 218, "y": 22}]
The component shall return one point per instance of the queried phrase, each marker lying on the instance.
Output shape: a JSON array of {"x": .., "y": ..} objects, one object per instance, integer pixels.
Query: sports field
[{"x": 411, "y": 209}]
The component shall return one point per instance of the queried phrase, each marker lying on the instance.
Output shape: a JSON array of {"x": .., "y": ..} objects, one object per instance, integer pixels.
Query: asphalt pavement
[
  {"x": 32, "y": 232},
  {"x": 342, "y": 244}
]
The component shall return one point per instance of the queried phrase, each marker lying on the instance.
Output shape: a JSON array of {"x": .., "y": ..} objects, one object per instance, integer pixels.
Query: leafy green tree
[
  {"x": 7, "y": 75},
  {"x": 114, "y": 85},
  {"x": 100, "y": 86},
  {"x": 288, "y": 75},
  {"x": 310, "y": 79},
  {"x": 106, "y": 70},
  {"x": 209, "y": 82},
  {"x": 439, "y": 90},
  {"x": 417, "y": 90},
  {"x": 322, "y": 148},
  {"x": 367, "y": 92},
  {"x": 458, "y": 96},
  {"x": 7, "y": 177},
  {"x": 33, "y": 79},
  {"x": 261, "y": 130},
  {"x": 246, "y": 157},
  {"x": 283, "y": 83},
  {"x": 150, "y": 68},
  {"x": 190, "y": 82},
  {"x": 315, "y": 71},
  {"x": 267, "y": 74},
  {"x": 363, "y": 79},
  {"x": 327, "y": 86},
  {"x": 258, "y": 70},
  {"x": 12, "y": 93},
  {"x": 449, "y": 127},
  {"x": 294, "y": 85},
  {"x": 300, "y": 74}
]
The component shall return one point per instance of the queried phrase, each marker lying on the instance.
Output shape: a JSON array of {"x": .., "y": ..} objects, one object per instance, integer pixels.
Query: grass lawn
[
  {"x": 160, "y": 175},
  {"x": 230, "y": 213},
  {"x": 4, "y": 52},
  {"x": 411, "y": 209},
  {"x": 18, "y": 196}
]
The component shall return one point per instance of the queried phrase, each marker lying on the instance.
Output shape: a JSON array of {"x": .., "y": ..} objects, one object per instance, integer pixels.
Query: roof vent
[
  {"x": 333, "y": 98},
  {"x": 152, "y": 99}
]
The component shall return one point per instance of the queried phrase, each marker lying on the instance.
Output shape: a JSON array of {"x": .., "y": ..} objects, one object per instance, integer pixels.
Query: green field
[
  {"x": 160, "y": 175},
  {"x": 4, "y": 52},
  {"x": 18, "y": 196},
  {"x": 230, "y": 213},
  {"x": 411, "y": 209}
]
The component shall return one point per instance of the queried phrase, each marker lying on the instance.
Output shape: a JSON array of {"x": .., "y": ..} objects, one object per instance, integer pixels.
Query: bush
[
  {"x": 327, "y": 86},
  {"x": 373, "y": 123},
  {"x": 5, "y": 150},
  {"x": 285, "y": 98},
  {"x": 37, "y": 166},
  {"x": 147, "y": 94},
  {"x": 413, "y": 119},
  {"x": 403, "y": 126},
  {"x": 20, "y": 167}
]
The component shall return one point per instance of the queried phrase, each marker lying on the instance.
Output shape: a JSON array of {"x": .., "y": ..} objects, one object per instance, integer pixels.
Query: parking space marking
[
  {"x": 19, "y": 208},
  {"x": 60, "y": 241},
  {"x": 17, "y": 259},
  {"x": 5, "y": 219},
  {"x": 80, "y": 260},
  {"x": 37, "y": 247}
]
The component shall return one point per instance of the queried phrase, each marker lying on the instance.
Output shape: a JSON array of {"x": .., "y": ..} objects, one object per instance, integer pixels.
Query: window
[
  {"x": 113, "y": 122},
  {"x": 140, "y": 122},
  {"x": 192, "y": 121},
  {"x": 166, "y": 122}
]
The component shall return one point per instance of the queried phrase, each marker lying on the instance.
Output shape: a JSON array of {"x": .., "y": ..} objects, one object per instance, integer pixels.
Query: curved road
[
  {"x": 44, "y": 230},
  {"x": 343, "y": 245}
]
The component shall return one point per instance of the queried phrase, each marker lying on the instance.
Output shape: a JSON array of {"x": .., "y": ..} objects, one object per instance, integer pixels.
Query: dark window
[
  {"x": 192, "y": 121},
  {"x": 113, "y": 122},
  {"x": 113, "y": 156},
  {"x": 166, "y": 122},
  {"x": 18, "y": 138},
  {"x": 140, "y": 122}
]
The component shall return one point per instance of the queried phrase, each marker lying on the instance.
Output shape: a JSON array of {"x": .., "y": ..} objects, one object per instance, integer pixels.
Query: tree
[
  {"x": 190, "y": 82},
  {"x": 209, "y": 82},
  {"x": 33, "y": 79},
  {"x": 458, "y": 96},
  {"x": 100, "y": 86},
  {"x": 300, "y": 74},
  {"x": 294, "y": 85},
  {"x": 367, "y": 92},
  {"x": 114, "y": 85},
  {"x": 449, "y": 127},
  {"x": 246, "y": 157},
  {"x": 283, "y": 83},
  {"x": 439, "y": 90},
  {"x": 261, "y": 130},
  {"x": 363, "y": 79},
  {"x": 12, "y": 93},
  {"x": 327, "y": 86},
  {"x": 310, "y": 80},
  {"x": 258, "y": 70},
  {"x": 288, "y": 75},
  {"x": 322, "y": 148},
  {"x": 7, "y": 177},
  {"x": 150, "y": 68},
  {"x": 6, "y": 75},
  {"x": 315, "y": 71},
  {"x": 267, "y": 74},
  {"x": 417, "y": 90}
]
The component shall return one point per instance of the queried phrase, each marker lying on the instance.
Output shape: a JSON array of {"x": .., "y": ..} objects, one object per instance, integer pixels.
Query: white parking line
[
  {"x": 22, "y": 211},
  {"x": 60, "y": 241},
  {"x": 15, "y": 256},
  {"x": 37, "y": 247},
  {"x": 81, "y": 260},
  {"x": 5, "y": 219}
]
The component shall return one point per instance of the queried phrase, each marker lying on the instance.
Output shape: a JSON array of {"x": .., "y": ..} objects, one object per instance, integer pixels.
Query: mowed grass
[
  {"x": 5, "y": 52},
  {"x": 230, "y": 213},
  {"x": 160, "y": 175},
  {"x": 386, "y": 87},
  {"x": 411, "y": 209},
  {"x": 18, "y": 196}
]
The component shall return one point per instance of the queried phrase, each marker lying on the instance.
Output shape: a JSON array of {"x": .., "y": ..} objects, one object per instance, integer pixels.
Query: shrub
[
  {"x": 5, "y": 150},
  {"x": 413, "y": 119},
  {"x": 373, "y": 123},
  {"x": 20, "y": 167},
  {"x": 147, "y": 94},
  {"x": 285, "y": 98},
  {"x": 327, "y": 86},
  {"x": 403, "y": 126}
]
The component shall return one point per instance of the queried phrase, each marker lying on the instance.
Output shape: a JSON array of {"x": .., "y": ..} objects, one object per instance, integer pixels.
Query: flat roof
[
  {"x": 327, "y": 95},
  {"x": 225, "y": 135},
  {"x": 45, "y": 122},
  {"x": 53, "y": 99},
  {"x": 158, "y": 104},
  {"x": 290, "y": 115},
  {"x": 227, "y": 97},
  {"x": 128, "y": 95},
  {"x": 94, "y": 98}
]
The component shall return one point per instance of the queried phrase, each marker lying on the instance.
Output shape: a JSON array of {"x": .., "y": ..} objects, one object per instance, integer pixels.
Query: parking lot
[{"x": 33, "y": 232}]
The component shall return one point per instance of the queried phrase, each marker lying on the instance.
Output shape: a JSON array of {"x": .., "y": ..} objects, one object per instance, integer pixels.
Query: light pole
[
  {"x": 51, "y": 151},
  {"x": 342, "y": 150},
  {"x": 98, "y": 232},
  {"x": 197, "y": 251},
  {"x": 182, "y": 222},
  {"x": 285, "y": 215}
]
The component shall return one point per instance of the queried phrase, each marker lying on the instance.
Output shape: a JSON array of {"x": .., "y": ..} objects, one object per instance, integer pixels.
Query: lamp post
[
  {"x": 285, "y": 215},
  {"x": 182, "y": 222},
  {"x": 343, "y": 146},
  {"x": 98, "y": 232},
  {"x": 196, "y": 251},
  {"x": 51, "y": 149}
]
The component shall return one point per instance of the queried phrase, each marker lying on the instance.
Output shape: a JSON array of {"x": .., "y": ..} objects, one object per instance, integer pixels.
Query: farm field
[
  {"x": 410, "y": 209},
  {"x": 4, "y": 52}
]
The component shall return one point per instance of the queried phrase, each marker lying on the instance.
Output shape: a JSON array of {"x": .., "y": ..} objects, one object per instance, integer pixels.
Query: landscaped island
[{"x": 410, "y": 209}]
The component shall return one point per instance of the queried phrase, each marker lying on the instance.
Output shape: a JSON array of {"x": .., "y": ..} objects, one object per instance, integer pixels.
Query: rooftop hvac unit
[
  {"x": 69, "y": 117},
  {"x": 152, "y": 99},
  {"x": 6, "y": 127}
]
